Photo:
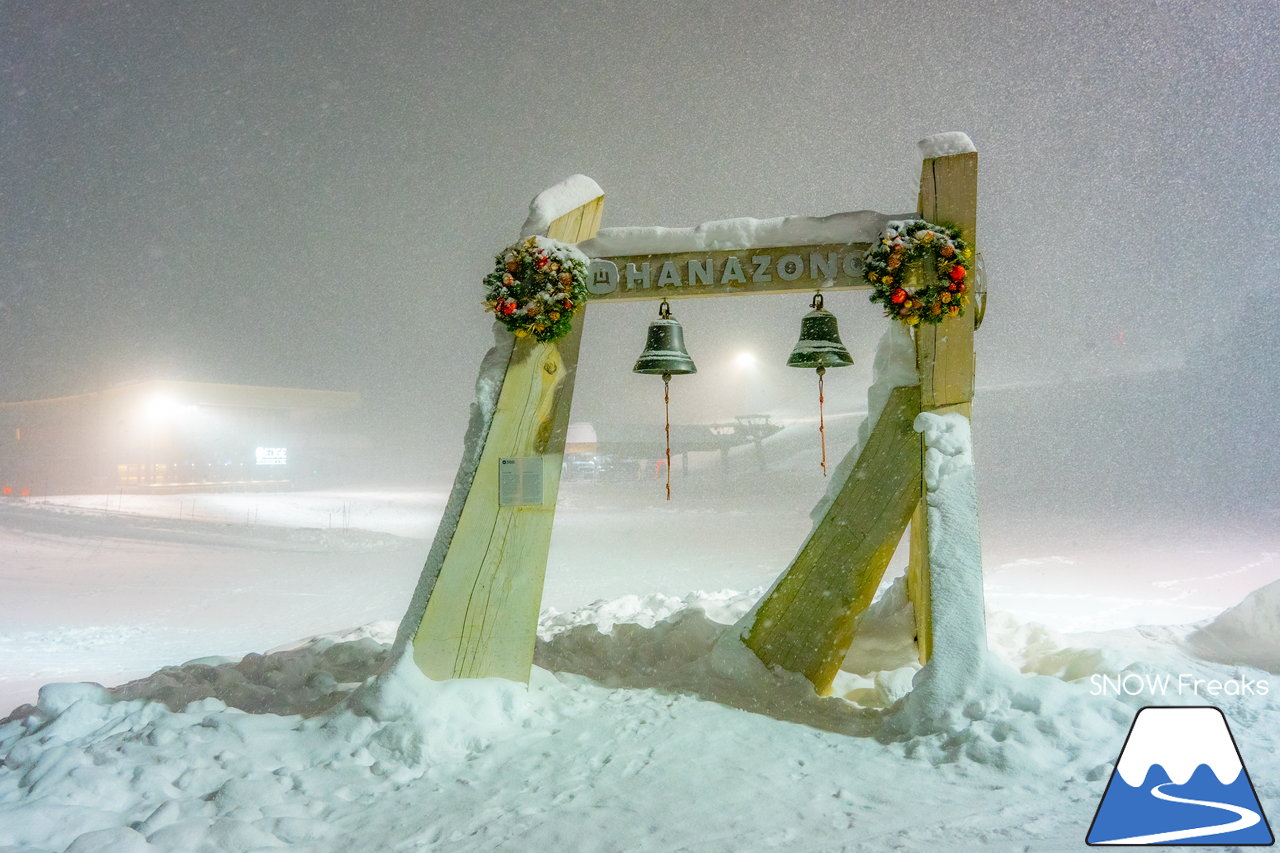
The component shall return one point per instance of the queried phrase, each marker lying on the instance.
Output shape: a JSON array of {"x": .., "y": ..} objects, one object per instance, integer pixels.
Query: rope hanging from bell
[
  {"x": 820, "y": 347},
  {"x": 665, "y": 355}
]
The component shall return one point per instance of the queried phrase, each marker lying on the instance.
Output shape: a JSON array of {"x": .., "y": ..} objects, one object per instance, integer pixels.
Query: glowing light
[
  {"x": 160, "y": 409},
  {"x": 745, "y": 359}
]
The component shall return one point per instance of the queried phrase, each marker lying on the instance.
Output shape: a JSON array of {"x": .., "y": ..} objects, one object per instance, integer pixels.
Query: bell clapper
[
  {"x": 822, "y": 426},
  {"x": 666, "y": 405}
]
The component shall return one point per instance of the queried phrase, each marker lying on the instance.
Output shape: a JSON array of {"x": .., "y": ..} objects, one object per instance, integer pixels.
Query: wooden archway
[{"x": 475, "y": 611}]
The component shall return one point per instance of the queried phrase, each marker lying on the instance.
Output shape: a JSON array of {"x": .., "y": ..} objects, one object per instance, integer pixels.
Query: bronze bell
[
  {"x": 664, "y": 351},
  {"x": 819, "y": 345}
]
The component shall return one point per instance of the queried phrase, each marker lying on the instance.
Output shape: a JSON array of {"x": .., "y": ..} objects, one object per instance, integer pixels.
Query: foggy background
[{"x": 308, "y": 195}]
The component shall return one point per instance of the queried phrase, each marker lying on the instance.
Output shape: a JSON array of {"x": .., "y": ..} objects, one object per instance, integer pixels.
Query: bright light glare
[
  {"x": 745, "y": 359},
  {"x": 161, "y": 408}
]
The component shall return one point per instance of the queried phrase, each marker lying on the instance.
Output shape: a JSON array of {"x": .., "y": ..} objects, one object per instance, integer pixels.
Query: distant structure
[
  {"x": 159, "y": 436},
  {"x": 621, "y": 450}
]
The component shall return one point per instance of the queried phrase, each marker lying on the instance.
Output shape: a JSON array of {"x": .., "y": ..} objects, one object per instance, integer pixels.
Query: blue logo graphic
[{"x": 1180, "y": 780}]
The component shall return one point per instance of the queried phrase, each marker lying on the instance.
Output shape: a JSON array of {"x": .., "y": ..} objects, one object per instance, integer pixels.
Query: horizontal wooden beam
[{"x": 728, "y": 272}]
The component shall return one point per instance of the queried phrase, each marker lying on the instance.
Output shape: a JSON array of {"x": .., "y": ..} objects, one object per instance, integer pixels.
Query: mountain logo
[{"x": 1180, "y": 780}]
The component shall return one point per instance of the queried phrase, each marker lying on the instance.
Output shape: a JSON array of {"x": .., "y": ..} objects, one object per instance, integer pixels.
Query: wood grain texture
[
  {"x": 481, "y": 615},
  {"x": 806, "y": 622},
  {"x": 944, "y": 352},
  {"x": 919, "y": 588},
  {"x": 945, "y": 360}
]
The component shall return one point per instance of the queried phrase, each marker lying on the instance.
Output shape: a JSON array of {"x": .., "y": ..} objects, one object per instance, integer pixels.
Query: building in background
[{"x": 181, "y": 436}]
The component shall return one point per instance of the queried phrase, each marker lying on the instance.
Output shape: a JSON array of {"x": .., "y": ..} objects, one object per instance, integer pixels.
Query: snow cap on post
[
  {"x": 554, "y": 202},
  {"x": 946, "y": 144}
]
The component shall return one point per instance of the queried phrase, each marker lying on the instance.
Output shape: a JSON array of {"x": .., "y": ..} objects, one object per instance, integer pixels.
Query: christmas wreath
[
  {"x": 914, "y": 242},
  {"x": 536, "y": 286}
]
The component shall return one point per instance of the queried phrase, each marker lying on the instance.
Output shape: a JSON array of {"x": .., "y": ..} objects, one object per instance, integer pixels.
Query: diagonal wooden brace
[{"x": 806, "y": 622}]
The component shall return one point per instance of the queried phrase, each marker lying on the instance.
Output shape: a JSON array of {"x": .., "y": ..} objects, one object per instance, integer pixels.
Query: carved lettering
[
  {"x": 822, "y": 266},
  {"x": 761, "y": 272},
  {"x": 637, "y": 278},
  {"x": 669, "y": 277},
  {"x": 702, "y": 272},
  {"x": 790, "y": 267},
  {"x": 733, "y": 273}
]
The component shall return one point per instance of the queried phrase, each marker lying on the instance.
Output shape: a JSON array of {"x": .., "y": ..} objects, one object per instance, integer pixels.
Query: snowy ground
[{"x": 636, "y": 735}]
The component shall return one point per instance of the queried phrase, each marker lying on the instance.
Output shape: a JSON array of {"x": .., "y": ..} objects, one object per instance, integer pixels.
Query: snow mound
[
  {"x": 554, "y": 202},
  {"x": 946, "y": 144},
  {"x": 102, "y": 774},
  {"x": 1002, "y": 718},
  {"x": 1247, "y": 634},
  {"x": 306, "y": 678},
  {"x": 724, "y": 607},
  {"x": 860, "y": 226}
]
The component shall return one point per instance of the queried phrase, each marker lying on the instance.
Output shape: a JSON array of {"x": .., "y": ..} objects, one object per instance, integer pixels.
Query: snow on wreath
[
  {"x": 911, "y": 245},
  {"x": 536, "y": 286}
]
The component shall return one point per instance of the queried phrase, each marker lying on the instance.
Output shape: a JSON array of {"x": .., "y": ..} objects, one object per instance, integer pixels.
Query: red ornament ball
[
  {"x": 897, "y": 296},
  {"x": 957, "y": 273}
]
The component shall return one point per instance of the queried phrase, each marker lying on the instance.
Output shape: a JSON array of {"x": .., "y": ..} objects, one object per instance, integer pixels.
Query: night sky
[{"x": 308, "y": 194}]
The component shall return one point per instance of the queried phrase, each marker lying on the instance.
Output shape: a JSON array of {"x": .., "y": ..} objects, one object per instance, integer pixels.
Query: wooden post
[
  {"x": 806, "y": 622},
  {"x": 475, "y": 614},
  {"x": 944, "y": 357}
]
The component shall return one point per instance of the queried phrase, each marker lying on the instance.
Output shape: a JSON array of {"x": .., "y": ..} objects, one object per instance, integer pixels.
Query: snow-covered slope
[{"x": 1245, "y": 633}]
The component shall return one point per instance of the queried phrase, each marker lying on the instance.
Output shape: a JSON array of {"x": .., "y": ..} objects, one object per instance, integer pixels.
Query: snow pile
[
  {"x": 554, "y": 202},
  {"x": 100, "y": 774},
  {"x": 1248, "y": 633},
  {"x": 966, "y": 702},
  {"x": 646, "y": 611},
  {"x": 946, "y": 144},
  {"x": 955, "y": 551},
  {"x": 306, "y": 680},
  {"x": 883, "y": 658},
  {"x": 861, "y": 226},
  {"x": 635, "y": 760},
  {"x": 1004, "y": 719}
]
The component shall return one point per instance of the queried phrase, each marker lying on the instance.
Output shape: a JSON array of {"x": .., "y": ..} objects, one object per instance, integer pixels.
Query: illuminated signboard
[{"x": 272, "y": 455}]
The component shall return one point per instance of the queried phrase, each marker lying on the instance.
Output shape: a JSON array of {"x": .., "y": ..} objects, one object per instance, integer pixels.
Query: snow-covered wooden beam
[
  {"x": 733, "y": 257},
  {"x": 475, "y": 611},
  {"x": 944, "y": 352}
]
